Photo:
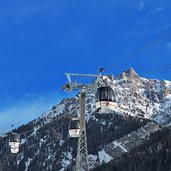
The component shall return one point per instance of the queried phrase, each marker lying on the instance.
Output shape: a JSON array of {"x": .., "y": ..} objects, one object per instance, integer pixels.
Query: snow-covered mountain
[
  {"x": 142, "y": 106},
  {"x": 143, "y": 97}
]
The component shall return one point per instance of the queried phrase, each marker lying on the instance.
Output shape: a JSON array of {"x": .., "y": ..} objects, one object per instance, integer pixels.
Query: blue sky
[{"x": 40, "y": 40}]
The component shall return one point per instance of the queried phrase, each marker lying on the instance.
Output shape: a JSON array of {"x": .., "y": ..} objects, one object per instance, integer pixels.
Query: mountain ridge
[{"x": 47, "y": 147}]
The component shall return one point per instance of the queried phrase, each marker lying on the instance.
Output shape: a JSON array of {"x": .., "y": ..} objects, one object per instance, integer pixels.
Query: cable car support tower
[{"x": 82, "y": 163}]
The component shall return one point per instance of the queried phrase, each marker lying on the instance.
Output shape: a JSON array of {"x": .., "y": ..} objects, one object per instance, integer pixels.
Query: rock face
[
  {"x": 45, "y": 145},
  {"x": 144, "y": 98}
]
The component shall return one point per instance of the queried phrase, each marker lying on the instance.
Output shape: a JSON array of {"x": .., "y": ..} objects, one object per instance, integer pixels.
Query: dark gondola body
[
  {"x": 105, "y": 99},
  {"x": 74, "y": 128},
  {"x": 14, "y": 143}
]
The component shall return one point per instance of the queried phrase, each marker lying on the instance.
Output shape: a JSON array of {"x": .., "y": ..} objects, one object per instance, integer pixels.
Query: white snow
[
  {"x": 159, "y": 119},
  {"x": 42, "y": 141},
  {"x": 158, "y": 87},
  {"x": 23, "y": 141},
  {"x": 145, "y": 131},
  {"x": 27, "y": 164},
  {"x": 61, "y": 142},
  {"x": 68, "y": 155},
  {"x": 35, "y": 130},
  {"x": 104, "y": 157},
  {"x": 19, "y": 158},
  {"x": 59, "y": 109},
  {"x": 168, "y": 100},
  {"x": 168, "y": 83},
  {"x": 92, "y": 157},
  {"x": 144, "y": 79},
  {"x": 66, "y": 160},
  {"x": 118, "y": 144}
]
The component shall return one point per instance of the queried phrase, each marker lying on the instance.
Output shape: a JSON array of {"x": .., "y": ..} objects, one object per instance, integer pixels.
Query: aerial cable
[
  {"x": 32, "y": 111},
  {"x": 2, "y": 130},
  {"x": 29, "y": 113},
  {"x": 160, "y": 68},
  {"x": 9, "y": 128},
  {"x": 58, "y": 118},
  {"x": 133, "y": 55},
  {"x": 25, "y": 132},
  {"x": 17, "y": 122}
]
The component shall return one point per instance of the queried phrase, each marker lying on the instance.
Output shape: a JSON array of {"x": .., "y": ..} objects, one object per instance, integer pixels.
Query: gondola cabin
[
  {"x": 105, "y": 99},
  {"x": 74, "y": 128},
  {"x": 14, "y": 143}
]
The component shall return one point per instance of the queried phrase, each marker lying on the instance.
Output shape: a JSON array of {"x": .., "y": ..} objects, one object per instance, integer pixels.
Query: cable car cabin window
[
  {"x": 74, "y": 125},
  {"x": 14, "y": 138},
  {"x": 105, "y": 94},
  {"x": 111, "y": 96},
  {"x": 98, "y": 94}
]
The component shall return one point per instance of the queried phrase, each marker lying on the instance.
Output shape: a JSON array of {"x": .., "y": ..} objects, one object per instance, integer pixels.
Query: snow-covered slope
[
  {"x": 135, "y": 96},
  {"x": 145, "y": 98},
  {"x": 45, "y": 144}
]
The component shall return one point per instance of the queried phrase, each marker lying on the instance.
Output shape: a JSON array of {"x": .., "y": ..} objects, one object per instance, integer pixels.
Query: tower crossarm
[{"x": 77, "y": 86}]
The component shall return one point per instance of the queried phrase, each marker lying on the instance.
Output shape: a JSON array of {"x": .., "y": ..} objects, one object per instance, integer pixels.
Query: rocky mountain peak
[
  {"x": 131, "y": 76},
  {"x": 131, "y": 72}
]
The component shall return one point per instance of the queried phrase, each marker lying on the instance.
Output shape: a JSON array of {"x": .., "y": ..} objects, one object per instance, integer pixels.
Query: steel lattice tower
[
  {"x": 82, "y": 153},
  {"x": 82, "y": 163}
]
